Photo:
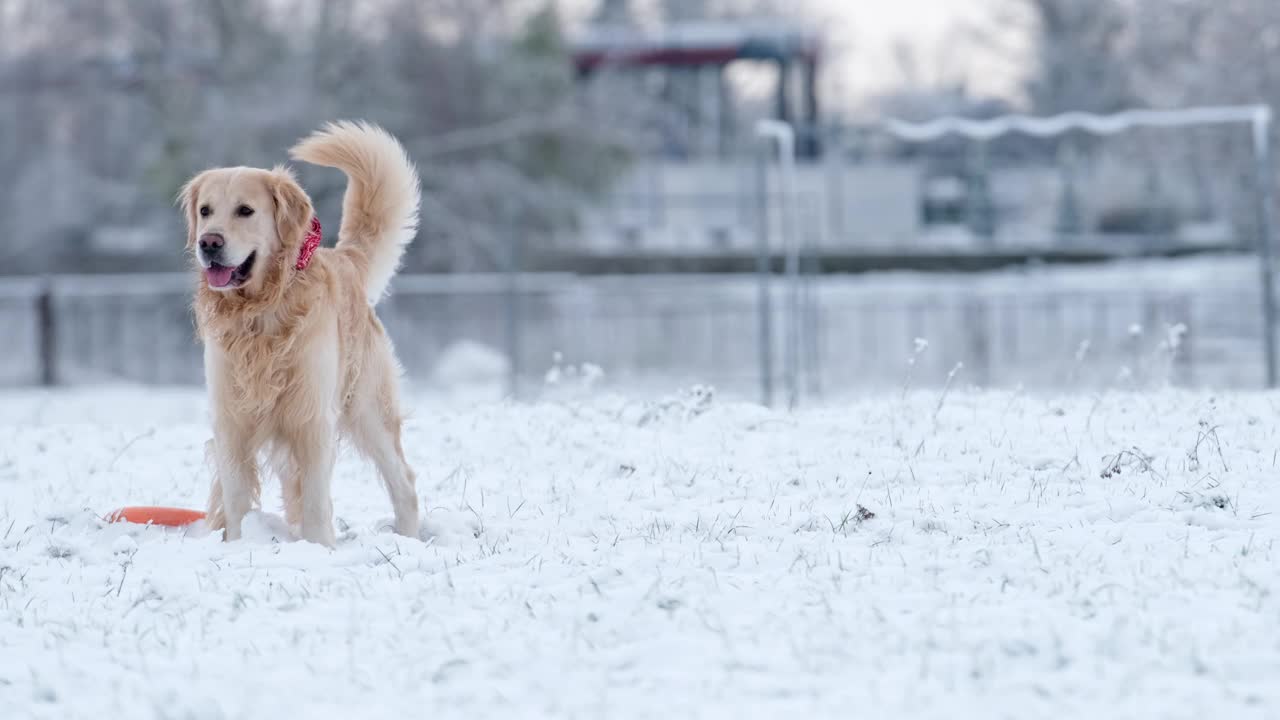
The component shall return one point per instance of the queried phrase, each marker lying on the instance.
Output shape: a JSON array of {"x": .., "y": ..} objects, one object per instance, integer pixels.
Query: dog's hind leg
[
  {"x": 290, "y": 477},
  {"x": 374, "y": 425}
]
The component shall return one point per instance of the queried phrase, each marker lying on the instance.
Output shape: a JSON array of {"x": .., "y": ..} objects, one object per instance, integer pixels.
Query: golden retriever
[{"x": 294, "y": 354}]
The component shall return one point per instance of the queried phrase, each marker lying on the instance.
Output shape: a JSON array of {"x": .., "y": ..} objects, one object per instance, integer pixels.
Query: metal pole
[
  {"x": 1266, "y": 230},
  {"x": 785, "y": 137},
  {"x": 511, "y": 311},
  {"x": 812, "y": 349},
  {"x": 763, "y": 271},
  {"x": 48, "y": 335},
  {"x": 814, "y": 240},
  {"x": 790, "y": 230}
]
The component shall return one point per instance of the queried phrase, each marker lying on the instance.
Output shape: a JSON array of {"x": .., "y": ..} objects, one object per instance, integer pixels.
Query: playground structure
[{"x": 690, "y": 61}]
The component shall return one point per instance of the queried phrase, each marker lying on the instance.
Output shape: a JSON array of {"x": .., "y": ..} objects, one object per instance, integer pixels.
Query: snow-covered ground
[{"x": 971, "y": 555}]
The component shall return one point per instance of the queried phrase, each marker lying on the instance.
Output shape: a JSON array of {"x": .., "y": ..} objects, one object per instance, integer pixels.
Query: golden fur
[{"x": 295, "y": 358}]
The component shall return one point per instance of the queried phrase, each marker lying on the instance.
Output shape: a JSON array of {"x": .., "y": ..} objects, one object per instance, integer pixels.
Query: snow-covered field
[{"x": 974, "y": 555}]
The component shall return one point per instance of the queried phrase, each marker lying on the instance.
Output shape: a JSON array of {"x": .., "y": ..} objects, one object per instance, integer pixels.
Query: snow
[
  {"x": 914, "y": 555},
  {"x": 1256, "y": 115},
  {"x": 471, "y": 363}
]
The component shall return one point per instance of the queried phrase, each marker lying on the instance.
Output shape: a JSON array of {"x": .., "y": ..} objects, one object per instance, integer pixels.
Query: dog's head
[{"x": 244, "y": 225}]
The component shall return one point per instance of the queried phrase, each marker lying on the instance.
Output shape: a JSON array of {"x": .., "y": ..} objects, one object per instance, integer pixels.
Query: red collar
[{"x": 309, "y": 245}]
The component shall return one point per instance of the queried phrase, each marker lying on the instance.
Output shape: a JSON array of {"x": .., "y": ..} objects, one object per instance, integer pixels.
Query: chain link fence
[{"x": 1040, "y": 329}]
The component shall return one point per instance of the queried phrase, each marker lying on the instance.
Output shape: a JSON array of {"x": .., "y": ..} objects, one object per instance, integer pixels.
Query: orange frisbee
[{"x": 149, "y": 515}]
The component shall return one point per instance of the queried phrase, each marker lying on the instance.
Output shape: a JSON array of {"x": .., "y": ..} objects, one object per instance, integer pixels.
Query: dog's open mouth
[{"x": 225, "y": 278}]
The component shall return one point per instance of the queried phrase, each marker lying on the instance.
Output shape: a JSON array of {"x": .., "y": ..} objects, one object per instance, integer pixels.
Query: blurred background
[{"x": 602, "y": 202}]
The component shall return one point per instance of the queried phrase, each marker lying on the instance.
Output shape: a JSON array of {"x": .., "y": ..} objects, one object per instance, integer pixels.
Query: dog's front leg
[
  {"x": 314, "y": 449},
  {"x": 233, "y": 449},
  {"x": 309, "y": 423},
  {"x": 236, "y": 475}
]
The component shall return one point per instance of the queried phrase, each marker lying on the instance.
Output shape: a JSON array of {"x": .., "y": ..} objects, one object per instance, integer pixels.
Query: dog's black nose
[{"x": 211, "y": 243}]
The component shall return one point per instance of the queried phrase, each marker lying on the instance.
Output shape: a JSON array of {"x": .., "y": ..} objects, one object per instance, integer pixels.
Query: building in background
[{"x": 685, "y": 66}]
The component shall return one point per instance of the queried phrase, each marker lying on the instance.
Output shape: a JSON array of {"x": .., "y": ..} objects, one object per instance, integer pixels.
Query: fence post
[
  {"x": 977, "y": 330},
  {"x": 48, "y": 334},
  {"x": 1266, "y": 229},
  {"x": 764, "y": 308},
  {"x": 512, "y": 302},
  {"x": 1184, "y": 358}
]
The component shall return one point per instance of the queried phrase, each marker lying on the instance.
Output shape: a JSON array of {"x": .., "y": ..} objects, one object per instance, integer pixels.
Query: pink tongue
[{"x": 218, "y": 276}]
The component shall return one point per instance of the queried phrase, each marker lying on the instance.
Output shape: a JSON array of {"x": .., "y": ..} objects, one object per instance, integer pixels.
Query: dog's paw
[{"x": 263, "y": 527}]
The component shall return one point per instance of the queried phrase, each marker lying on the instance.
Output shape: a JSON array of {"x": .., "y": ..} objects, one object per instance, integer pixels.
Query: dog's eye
[
  {"x": 244, "y": 211},
  {"x": 204, "y": 211}
]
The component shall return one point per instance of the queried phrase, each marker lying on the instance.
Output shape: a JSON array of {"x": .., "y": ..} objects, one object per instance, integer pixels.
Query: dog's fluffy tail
[{"x": 380, "y": 208}]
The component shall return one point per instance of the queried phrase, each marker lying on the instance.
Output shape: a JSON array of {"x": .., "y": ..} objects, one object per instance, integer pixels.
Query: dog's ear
[
  {"x": 186, "y": 199},
  {"x": 293, "y": 207}
]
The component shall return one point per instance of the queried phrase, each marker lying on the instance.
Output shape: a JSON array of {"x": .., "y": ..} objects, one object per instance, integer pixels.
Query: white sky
[{"x": 939, "y": 33}]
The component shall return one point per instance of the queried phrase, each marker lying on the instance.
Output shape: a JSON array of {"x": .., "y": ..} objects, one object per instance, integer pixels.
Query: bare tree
[
  {"x": 482, "y": 93},
  {"x": 1079, "y": 53}
]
